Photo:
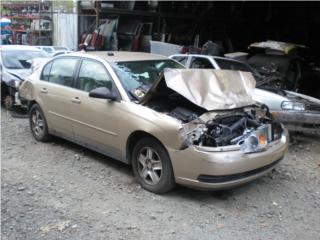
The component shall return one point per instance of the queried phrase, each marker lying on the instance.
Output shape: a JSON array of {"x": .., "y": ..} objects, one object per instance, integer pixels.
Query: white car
[
  {"x": 58, "y": 53},
  {"x": 15, "y": 66},
  {"x": 53, "y": 49},
  {"x": 297, "y": 111}
]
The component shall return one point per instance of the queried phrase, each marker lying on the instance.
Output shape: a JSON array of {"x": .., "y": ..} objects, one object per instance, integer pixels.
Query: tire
[
  {"x": 8, "y": 102},
  {"x": 38, "y": 124},
  {"x": 6, "y": 99},
  {"x": 154, "y": 170}
]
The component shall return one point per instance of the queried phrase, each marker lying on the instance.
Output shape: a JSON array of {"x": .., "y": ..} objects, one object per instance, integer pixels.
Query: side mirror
[{"x": 104, "y": 93}]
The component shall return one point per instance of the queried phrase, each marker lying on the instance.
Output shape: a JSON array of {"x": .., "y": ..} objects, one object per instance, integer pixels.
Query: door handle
[
  {"x": 43, "y": 90},
  {"x": 75, "y": 100}
]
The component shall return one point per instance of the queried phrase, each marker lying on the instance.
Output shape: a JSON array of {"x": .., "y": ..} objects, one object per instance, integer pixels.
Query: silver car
[
  {"x": 297, "y": 111},
  {"x": 15, "y": 66}
]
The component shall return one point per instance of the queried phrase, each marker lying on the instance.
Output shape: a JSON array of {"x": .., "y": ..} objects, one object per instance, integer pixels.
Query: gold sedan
[{"x": 198, "y": 128}]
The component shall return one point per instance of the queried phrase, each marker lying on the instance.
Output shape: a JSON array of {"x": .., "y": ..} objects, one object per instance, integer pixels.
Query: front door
[{"x": 96, "y": 121}]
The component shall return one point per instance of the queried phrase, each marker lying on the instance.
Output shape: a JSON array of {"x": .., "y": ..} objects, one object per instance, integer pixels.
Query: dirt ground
[{"x": 59, "y": 190}]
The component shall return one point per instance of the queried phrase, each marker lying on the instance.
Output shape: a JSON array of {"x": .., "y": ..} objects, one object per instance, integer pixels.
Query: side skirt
[{"x": 95, "y": 148}]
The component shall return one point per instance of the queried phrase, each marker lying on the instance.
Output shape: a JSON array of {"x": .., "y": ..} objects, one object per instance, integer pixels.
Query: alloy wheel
[
  {"x": 37, "y": 123},
  {"x": 149, "y": 165}
]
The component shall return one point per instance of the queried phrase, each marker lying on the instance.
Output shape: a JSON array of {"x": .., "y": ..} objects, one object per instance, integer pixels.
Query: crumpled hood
[{"x": 212, "y": 89}]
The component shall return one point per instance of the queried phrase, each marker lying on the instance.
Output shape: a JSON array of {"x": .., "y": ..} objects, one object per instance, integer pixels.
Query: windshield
[
  {"x": 137, "y": 74},
  {"x": 20, "y": 59},
  {"x": 233, "y": 65}
]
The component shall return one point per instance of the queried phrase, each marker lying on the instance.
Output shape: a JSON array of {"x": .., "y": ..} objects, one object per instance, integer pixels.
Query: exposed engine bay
[
  {"x": 251, "y": 125},
  {"x": 217, "y": 111},
  {"x": 251, "y": 128}
]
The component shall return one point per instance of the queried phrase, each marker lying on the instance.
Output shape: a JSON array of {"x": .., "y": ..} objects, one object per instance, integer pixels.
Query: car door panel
[
  {"x": 95, "y": 121},
  {"x": 57, "y": 100},
  {"x": 55, "y": 96}
]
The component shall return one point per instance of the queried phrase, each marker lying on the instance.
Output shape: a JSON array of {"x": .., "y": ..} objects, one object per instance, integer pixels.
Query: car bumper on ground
[
  {"x": 225, "y": 169},
  {"x": 299, "y": 121}
]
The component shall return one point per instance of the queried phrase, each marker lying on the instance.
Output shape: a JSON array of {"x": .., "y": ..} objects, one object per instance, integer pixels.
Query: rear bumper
[{"x": 221, "y": 170}]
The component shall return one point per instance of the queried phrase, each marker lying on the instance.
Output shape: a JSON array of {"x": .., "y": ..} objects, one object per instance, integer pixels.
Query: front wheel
[
  {"x": 6, "y": 99},
  {"x": 152, "y": 166},
  {"x": 38, "y": 124},
  {"x": 8, "y": 102}
]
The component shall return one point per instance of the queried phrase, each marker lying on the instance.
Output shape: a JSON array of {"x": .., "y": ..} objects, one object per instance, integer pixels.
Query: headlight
[
  {"x": 298, "y": 106},
  {"x": 254, "y": 143},
  {"x": 250, "y": 145},
  {"x": 257, "y": 141}
]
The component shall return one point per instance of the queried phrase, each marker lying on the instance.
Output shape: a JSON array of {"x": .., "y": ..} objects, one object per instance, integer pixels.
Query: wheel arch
[
  {"x": 30, "y": 104},
  {"x": 134, "y": 138}
]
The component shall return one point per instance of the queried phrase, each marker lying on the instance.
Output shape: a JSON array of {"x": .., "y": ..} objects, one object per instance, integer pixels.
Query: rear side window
[
  {"x": 48, "y": 50},
  {"x": 201, "y": 63},
  {"x": 93, "y": 75},
  {"x": 46, "y": 72},
  {"x": 62, "y": 71},
  {"x": 180, "y": 59}
]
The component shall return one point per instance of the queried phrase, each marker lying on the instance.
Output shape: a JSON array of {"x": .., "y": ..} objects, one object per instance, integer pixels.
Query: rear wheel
[
  {"x": 152, "y": 166},
  {"x": 38, "y": 124}
]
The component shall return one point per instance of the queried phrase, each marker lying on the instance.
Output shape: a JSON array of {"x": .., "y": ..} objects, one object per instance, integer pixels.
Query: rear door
[{"x": 57, "y": 81}]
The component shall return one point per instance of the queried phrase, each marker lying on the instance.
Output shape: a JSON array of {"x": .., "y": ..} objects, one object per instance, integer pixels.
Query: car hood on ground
[{"x": 207, "y": 88}]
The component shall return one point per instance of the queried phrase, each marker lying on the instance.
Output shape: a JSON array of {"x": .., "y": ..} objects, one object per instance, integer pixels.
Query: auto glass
[
  {"x": 48, "y": 50},
  {"x": 137, "y": 74},
  {"x": 62, "y": 71},
  {"x": 93, "y": 75},
  {"x": 20, "y": 59},
  {"x": 60, "y": 48},
  {"x": 181, "y": 59},
  {"x": 238, "y": 66},
  {"x": 201, "y": 63}
]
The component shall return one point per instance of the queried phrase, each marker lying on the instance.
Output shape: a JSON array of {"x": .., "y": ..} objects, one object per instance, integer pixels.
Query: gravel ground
[{"x": 59, "y": 190}]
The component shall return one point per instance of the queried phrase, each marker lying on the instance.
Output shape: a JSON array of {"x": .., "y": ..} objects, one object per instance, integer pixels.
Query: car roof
[
  {"x": 19, "y": 47},
  {"x": 120, "y": 56}
]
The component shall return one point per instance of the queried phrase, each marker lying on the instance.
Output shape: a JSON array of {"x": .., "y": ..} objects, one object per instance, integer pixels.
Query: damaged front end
[
  {"x": 248, "y": 129},
  {"x": 215, "y": 108},
  {"x": 224, "y": 138}
]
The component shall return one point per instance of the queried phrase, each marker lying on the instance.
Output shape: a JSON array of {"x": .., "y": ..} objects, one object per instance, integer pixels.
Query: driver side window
[{"x": 93, "y": 75}]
